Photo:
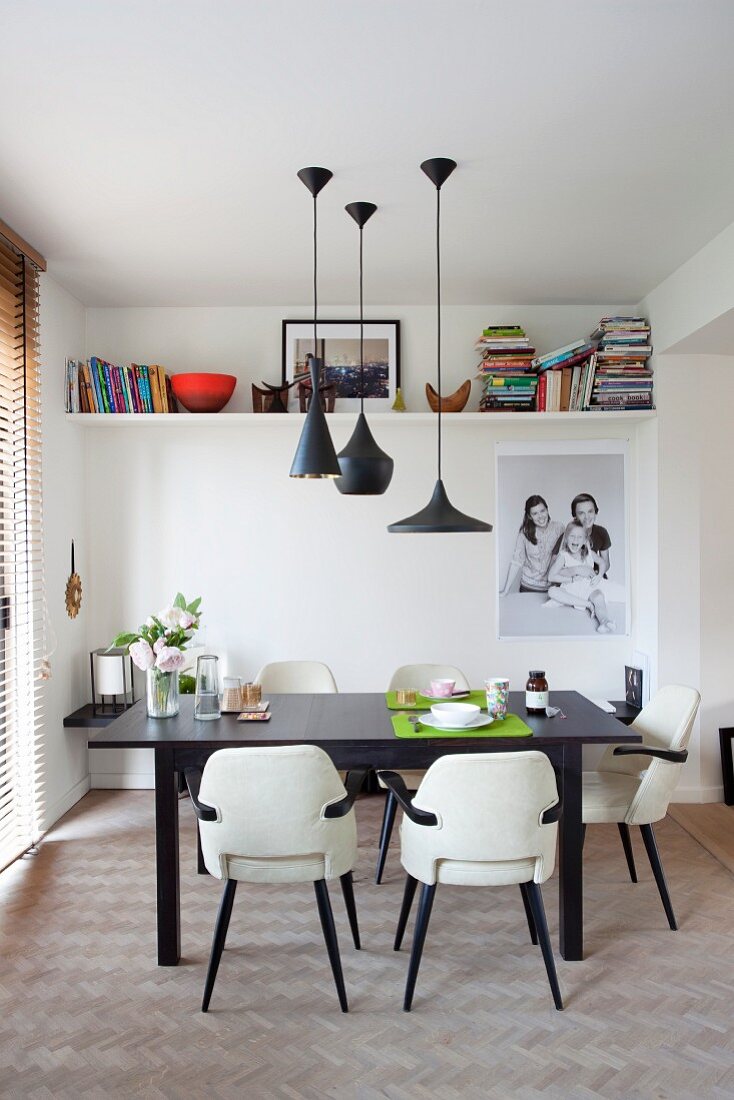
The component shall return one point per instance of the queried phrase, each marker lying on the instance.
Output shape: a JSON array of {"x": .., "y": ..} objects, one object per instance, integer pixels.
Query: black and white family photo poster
[{"x": 562, "y": 539}]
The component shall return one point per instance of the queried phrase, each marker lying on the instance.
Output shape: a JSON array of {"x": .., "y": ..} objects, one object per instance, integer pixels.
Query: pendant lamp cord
[
  {"x": 315, "y": 287},
  {"x": 361, "y": 326},
  {"x": 438, "y": 319}
]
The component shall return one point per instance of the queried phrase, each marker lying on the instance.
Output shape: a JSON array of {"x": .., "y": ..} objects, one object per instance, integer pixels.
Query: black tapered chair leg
[
  {"x": 408, "y": 895},
  {"x": 657, "y": 869},
  {"x": 419, "y": 938},
  {"x": 332, "y": 944},
  {"x": 528, "y": 913},
  {"x": 220, "y": 935},
  {"x": 388, "y": 820},
  {"x": 583, "y": 836},
  {"x": 535, "y": 898},
  {"x": 348, "y": 891},
  {"x": 624, "y": 832}
]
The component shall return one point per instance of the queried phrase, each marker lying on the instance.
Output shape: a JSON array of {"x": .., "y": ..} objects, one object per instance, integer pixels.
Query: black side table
[
  {"x": 726, "y": 736},
  {"x": 624, "y": 711}
]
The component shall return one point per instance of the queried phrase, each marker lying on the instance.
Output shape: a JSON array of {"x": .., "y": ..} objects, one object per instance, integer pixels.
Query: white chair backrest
[
  {"x": 419, "y": 676},
  {"x": 665, "y": 723},
  {"x": 270, "y": 804},
  {"x": 294, "y": 677},
  {"x": 489, "y": 807}
]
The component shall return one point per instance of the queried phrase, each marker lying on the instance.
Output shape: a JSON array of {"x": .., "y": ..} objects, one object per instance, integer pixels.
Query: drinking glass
[
  {"x": 206, "y": 701},
  {"x": 251, "y": 695},
  {"x": 498, "y": 690},
  {"x": 232, "y": 693}
]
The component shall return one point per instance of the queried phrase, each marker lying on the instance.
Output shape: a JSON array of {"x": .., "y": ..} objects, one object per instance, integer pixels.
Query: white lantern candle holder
[{"x": 112, "y": 681}]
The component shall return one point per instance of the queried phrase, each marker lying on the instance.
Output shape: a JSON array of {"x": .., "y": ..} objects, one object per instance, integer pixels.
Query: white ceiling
[{"x": 150, "y": 149}]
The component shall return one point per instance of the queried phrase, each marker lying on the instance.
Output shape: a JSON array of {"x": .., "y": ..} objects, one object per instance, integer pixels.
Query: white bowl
[{"x": 456, "y": 714}]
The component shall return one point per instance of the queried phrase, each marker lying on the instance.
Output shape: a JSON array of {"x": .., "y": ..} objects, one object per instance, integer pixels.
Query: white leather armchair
[
  {"x": 277, "y": 814},
  {"x": 292, "y": 677},
  {"x": 408, "y": 677},
  {"x": 633, "y": 784},
  {"x": 481, "y": 819}
]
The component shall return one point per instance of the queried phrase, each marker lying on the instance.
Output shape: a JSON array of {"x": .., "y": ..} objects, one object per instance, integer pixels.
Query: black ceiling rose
[
  {"x": 315, "y": 179},
  {"x": 360, "y": 211},
  {"x": 438, "y": 170}
]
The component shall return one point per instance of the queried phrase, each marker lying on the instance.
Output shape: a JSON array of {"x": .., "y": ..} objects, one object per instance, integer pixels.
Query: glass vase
[{"x": 161, "y": 693}]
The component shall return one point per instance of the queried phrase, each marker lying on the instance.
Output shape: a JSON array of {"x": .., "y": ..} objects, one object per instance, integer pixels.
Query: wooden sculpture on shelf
[
  {"x": 269, "y": 398},
  {"x": 452, "y": 402}
]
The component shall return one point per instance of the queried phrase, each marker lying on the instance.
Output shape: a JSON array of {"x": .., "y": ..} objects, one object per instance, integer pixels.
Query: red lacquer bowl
[{"x": 203, "y": 393}]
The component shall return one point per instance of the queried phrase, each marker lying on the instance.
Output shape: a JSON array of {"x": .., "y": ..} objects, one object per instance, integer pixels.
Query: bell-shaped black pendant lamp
[
  {"x": 366, "y": 469},
  {"x": 315, "y": 455},
  {"x": 439, "y": 515}
]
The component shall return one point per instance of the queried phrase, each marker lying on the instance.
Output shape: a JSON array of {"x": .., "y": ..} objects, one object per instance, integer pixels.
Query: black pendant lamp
[
  {"x": 315, "y": 455},
  {"x": 439, "y": 515},
  {"x": 366, "y": 469}
]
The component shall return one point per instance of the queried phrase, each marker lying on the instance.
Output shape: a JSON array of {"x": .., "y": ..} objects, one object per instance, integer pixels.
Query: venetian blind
[{"x": 21, "y": 554}]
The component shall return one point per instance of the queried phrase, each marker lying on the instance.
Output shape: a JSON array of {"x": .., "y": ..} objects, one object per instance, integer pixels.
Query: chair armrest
[
  {"x": 396, "y": 785},
  {"x": 193, "y": 782},
  {"x": 354, "y": 784},
  {"x": 673, "y": 756},
  {"x": 553, "y": 813}
]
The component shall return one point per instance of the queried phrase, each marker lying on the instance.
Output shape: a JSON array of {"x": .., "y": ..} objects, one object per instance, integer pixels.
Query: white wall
[
  {"x": 293, "y": 569},
  {"x": 66, "y": 771}
]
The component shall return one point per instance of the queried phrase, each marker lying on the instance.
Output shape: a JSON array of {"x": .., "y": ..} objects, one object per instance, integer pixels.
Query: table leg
[
  {"x": 166, "y": 846},
  {"x": 727, "y": 766},
  {"x": 570, "y": 887}
]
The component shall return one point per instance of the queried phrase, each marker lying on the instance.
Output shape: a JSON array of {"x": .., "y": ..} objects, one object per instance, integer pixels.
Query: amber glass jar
[{"x": 536, "y": 693}]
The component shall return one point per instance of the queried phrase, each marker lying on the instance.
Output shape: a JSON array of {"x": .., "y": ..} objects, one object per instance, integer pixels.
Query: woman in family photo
[{"x": 534, "y": 548}]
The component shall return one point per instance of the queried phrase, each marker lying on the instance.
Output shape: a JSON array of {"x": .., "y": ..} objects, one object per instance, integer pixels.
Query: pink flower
[
  {"x": 158, "y": 646},
  {"x": 142, "y": 655},
  {"x": 186, "y": 620},
  {"x": 169, "y": 659}
]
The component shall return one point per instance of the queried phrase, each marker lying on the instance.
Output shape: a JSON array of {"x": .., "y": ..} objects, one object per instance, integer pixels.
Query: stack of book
[
  {"x": 623, "y": 378},
  {"x": 100, "y": 387},
  {"x": 506, "y": 370},
  {"x": 564, "y": 377}
]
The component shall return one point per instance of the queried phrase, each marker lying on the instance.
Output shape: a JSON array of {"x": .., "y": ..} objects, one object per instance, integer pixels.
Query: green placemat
[
  {"x": 479, "y": 698},
  {"x": 511, "y": 726}
]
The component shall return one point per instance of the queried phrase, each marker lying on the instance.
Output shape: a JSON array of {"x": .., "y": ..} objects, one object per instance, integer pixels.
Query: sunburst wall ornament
[{"x": 73, "y": 589}]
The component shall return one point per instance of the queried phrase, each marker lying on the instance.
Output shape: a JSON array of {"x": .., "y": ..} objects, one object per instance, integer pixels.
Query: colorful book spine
[
  {"x": 94, "y": 374},
  {"x": 104, "y": 396},
  {"x": 146, "y": 384},
  {"x": 132, "y": 387}
]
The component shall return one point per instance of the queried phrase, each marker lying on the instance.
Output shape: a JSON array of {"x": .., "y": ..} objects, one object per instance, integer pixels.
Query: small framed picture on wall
[{"x": 338, "y": 347}]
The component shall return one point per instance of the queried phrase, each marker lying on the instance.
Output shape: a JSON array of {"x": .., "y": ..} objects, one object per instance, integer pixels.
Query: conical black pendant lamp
[
  {"x": 366, "y": 469},
  {"x": 315, "y": 454},
  {"x": 439, "y": 515}
]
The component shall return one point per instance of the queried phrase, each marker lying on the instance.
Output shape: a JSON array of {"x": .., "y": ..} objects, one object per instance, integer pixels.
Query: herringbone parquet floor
[{"x": 85, "y": 1012}]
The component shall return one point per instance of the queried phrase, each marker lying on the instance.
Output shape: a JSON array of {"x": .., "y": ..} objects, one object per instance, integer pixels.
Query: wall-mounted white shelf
[{"x": 118, "y": 420}]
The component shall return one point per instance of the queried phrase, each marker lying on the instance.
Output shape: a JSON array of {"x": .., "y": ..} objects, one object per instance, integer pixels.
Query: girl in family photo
[{"x": 574, "y": 580}]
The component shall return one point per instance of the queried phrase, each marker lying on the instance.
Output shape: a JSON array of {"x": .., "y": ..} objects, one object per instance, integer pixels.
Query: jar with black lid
[{"x": 536, "y": 693}]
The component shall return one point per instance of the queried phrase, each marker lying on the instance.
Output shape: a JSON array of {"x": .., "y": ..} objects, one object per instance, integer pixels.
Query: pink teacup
[{"x": 443, "y": 689}]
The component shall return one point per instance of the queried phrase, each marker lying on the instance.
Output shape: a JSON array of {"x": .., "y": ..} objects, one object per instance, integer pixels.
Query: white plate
[
  {"x": 475, "y": 724},
  {"x": 455, "y": 698}
]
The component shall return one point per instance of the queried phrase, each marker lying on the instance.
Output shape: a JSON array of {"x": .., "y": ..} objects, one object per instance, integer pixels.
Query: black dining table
[{"x": 356, "y": 732}]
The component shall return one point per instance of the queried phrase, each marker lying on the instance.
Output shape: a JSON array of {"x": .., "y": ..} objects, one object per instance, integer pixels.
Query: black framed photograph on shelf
[{"x": 338, "y": 349}]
